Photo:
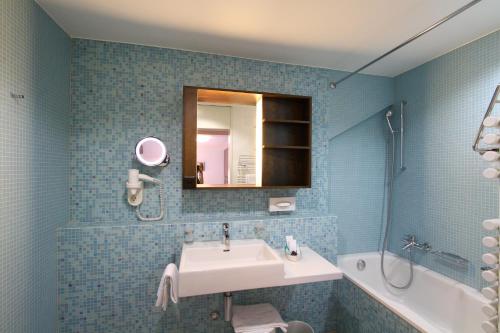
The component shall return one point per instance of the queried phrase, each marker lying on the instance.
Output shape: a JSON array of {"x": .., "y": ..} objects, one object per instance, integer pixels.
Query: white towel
[
  {"x": 267, "y": 330},
  {"x": 257, "y": 318},
  {"x": 169, "y": 284}
]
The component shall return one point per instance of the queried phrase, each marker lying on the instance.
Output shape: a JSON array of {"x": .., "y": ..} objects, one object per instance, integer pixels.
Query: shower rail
[
  {"x": 460, "y": 10},
  {"x": 494, "y": 100},
  {"x": 402, "y": 136}
]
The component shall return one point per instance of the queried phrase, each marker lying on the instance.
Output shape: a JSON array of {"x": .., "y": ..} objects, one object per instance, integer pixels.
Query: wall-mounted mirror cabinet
[{"x": 240, "y": 139}]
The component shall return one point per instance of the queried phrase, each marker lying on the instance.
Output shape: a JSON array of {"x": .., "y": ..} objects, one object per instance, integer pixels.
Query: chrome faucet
[
  {"x": 410, "y": 241},
  {"x": 225, "y": 237}
]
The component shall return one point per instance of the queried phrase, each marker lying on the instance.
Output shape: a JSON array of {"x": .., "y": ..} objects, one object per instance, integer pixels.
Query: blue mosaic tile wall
[
  {"x": 357, "y": 162},
  {"x": 442, "y": 197},
  {"x": 34, "y": 159},
  {"x": 356, "y": 100},
  {"x": 358, "y": 312},
  {"x": 122, "y": 92},
  {"x": 108, "y": 276}
]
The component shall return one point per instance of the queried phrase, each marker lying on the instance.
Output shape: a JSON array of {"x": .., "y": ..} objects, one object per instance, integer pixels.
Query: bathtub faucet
[
  {"x": 410, "y": 241},
  {"x": 225, "y": 237}
]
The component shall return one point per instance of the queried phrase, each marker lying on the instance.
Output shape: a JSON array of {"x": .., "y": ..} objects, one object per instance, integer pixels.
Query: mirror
[
  {"x": 239, "y": 139},
  {"x": 151, "y": 151},
  {"x": 226, "y": 138}
]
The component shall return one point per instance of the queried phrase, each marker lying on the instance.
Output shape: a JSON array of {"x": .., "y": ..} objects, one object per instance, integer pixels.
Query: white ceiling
[{"x": 338, "y": 34}]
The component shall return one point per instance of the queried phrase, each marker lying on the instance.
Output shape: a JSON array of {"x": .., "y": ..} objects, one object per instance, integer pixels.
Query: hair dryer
[{"x": 135, "y": 186}]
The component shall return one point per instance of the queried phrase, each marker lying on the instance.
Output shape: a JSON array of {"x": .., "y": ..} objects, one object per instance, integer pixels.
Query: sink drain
[{"x": 361, "y": 265}]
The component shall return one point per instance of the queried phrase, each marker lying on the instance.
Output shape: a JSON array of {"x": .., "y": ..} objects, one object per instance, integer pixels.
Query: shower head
[{"x": 387, "y": 116}]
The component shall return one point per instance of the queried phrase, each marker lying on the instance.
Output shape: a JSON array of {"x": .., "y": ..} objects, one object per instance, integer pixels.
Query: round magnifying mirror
[{"x": 151, "y": 151}]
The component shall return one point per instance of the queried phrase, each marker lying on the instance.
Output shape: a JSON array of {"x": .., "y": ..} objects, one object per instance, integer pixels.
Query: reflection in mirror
[
  {"x": 227, "y": 140},
  {"x": 151, "y": 151}
]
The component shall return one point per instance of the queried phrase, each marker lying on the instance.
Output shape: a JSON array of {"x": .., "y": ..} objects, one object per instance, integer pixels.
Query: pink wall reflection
[{"x": 212, "y": 149}]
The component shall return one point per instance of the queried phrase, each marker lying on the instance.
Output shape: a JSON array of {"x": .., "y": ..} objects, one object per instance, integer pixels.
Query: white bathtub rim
[
  {"x": 468, "y": 289},
  {"x": 398, "y": 308}
]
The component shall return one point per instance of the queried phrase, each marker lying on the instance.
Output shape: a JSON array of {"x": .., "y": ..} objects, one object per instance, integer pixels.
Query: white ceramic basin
[{"x": 206, "y": 269}]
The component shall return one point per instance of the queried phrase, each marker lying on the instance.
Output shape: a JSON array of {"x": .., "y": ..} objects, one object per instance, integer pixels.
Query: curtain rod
[{"x": 334, "y": 84}]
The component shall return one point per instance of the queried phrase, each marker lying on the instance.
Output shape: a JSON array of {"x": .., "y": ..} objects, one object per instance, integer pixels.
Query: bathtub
[{"x": 433, "y": 303}]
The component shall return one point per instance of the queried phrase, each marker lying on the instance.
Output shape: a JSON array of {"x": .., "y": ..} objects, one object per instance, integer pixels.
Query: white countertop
[
  {"x": 311, "y": 268},
  {"x": 202, "y": 275}
]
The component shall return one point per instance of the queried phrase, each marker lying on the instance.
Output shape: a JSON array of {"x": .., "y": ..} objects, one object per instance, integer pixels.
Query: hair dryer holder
[{"x": 135, "y": 193}]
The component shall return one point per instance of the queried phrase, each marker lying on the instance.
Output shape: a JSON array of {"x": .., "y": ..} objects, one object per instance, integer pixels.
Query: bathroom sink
[{"x": 205, "y": 268}]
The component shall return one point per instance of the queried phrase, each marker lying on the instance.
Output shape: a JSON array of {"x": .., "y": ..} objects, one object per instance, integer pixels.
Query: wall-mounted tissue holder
[{"x": 285, "y": 204}]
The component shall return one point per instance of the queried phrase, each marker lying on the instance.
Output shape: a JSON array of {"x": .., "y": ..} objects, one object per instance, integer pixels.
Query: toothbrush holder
[{"x": 293, "y": 257}]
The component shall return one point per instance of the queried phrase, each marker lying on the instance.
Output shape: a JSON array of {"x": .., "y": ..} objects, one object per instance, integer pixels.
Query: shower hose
[{"x": 389, "y": 219}]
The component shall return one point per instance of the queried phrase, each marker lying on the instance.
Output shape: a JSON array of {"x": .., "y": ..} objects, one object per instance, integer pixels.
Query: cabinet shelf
[
  {"x": 283, "y": 121},
  {"x": 284, "y": 147}
]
